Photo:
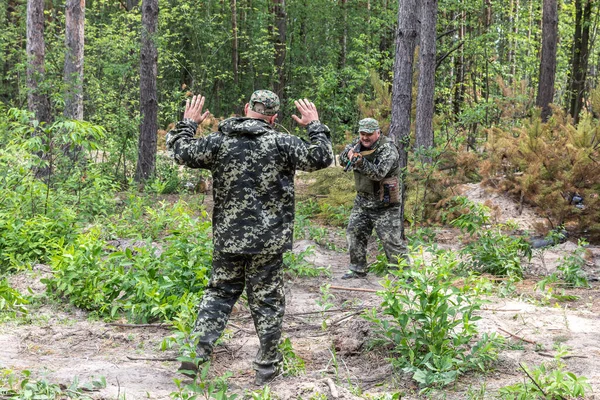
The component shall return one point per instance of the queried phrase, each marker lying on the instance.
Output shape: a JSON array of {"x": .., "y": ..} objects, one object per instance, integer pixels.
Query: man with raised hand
[
  {"x": 253, "y": 168},
  {"x": 375, "y": 161}
]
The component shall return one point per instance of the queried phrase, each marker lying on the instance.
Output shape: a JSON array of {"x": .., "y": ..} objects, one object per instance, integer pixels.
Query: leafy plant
[
  {"x": 548, "y": 382},
  {"x": 570, "y": 267},
  {"x": 203, "y": 387},
  {"x": 497, "y": 254},
  {"x": 298, "y": 265},
  {"x": 428, "y": 323},
  {"x": 292, "y": 364},
  {"x": 11, "y": 301},
  {"x": 24, "y": 388}
]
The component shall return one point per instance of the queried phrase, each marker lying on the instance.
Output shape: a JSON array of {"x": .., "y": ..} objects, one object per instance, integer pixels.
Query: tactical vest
[{"x": 365, "y": 185}]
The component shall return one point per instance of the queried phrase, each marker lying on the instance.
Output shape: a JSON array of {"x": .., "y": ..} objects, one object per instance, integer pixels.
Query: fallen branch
[
  {"x": 332, "y": 388},
  {"x": 562, "y": 358},
  {"x": 241, "y": 329},
  {"x": 324, "y": 311},
  {"x": 517, "y": 337},
  {"x": 161, "y": 325},
  {"x": 344, "y": 318},
  {"x": 353, "y": 289},
  {"x": 152, "y": 358},
  {"x": 501, "y": 309}
]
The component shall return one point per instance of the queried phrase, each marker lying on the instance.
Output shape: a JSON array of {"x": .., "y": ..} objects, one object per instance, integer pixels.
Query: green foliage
[
  {"x": 23, "y": 387},
  {"x": 473, "y": 216},
  {"x": 548, "y": 382},
  {"x": 570, "y": 267},
  {"x": 38, "y": 217},
  {"x": 490, "y": 250},
  {"x": 298, "y": 265},
  {"x": 203, "y": 387},
  {"x": 11, "y": 301},
  {"x": 293, "y": 365},
  {"x": 145, "y": 282},
  {"x": 497, "y": 254},
  {"x": 262, "y": 394},
  {"x": 429, "y": 323}
]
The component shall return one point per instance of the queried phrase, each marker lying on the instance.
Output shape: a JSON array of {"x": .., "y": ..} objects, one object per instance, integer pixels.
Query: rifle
[{"x": 352, "y": 161}]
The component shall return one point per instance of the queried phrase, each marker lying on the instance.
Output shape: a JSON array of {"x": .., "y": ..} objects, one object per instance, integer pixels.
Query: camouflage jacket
[
  {"x": 382, "y": 163},
  {"x": 253, "y": 169}
]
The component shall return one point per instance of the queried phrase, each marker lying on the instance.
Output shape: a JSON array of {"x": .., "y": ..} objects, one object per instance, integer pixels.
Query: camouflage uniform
[
  {"x": 253, "y": 169},
  {"x": 369, "y": 211}
]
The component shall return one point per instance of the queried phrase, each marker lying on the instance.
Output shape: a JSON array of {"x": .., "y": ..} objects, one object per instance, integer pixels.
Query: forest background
[{"x": 502, "y": 93}]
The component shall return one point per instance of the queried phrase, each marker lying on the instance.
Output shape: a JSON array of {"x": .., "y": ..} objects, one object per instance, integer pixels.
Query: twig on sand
[
  {"x": 323, "y": 311},
  {"x": 533, "y": 380},
  {"x": 152, "y": 358},
  {"x": 563, "y": 358},
  {"x": 332, "y": 388},
  {"x": 161, "y": 325},
  {"x": 517, "y": 337},
  {"x": 241, "y": 329},
  {"x": 353, "y": 289}
]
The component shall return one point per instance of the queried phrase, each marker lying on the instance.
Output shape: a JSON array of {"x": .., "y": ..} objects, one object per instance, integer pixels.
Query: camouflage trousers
[
  {"x": 262, "y": 275},
  {"x": 387, "y": 224}
]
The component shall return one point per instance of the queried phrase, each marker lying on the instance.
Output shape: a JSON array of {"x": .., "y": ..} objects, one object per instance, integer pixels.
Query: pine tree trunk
[
  {"x": 148, "y": 96},
  {"x": 459, "y": 68},
  {"x": 73, "y": 71},
  {"x": 427, "y": 63},
  {"x": 280, "y": 45},
  {"x": 37, "y": 101},
  {"x": 406, "y": 36},
  {"x": 579, "y": 57},
  {"x": 545, "y": 92},
  {"x": 234, "y": 44},
  {"x": 344, "y": 35}
]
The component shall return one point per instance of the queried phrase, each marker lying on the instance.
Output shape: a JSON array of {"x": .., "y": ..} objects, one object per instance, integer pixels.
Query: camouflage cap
[
  {"x": 368, "y": 125},
  {"x": 264, "y": 102}
]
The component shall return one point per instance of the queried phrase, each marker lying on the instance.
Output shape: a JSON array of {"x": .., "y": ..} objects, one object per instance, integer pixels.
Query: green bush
[
  {"x": 548, "y": 382},
  {"x": 429, "y": 323},
  {"x": 146, "y": 282}
]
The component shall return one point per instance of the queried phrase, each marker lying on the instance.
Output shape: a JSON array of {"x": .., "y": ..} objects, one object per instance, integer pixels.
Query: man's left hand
[{"x": 193, "y": 109}]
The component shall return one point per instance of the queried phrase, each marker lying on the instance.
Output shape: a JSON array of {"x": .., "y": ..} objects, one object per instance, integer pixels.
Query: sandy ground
[{"x": 61, "y": 342}]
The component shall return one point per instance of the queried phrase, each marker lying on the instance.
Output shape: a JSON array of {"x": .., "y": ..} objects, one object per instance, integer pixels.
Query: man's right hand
[
  {"x": 307, "y": 110},
  {"x": 193, "y": 109}
]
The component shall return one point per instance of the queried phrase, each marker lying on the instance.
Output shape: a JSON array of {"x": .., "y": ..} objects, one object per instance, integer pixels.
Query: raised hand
[
  {"x": 307, "y": 110},
  {"x": 193, "y": 109}
]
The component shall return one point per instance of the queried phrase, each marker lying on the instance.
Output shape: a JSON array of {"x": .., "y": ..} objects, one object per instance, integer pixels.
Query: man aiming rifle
[{"x": 375, "y": 162}]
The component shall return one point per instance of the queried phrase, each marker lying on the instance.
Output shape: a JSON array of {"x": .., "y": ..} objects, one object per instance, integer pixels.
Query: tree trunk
[
  {"x": 579, "y": 57},
  {"x": 344, "y": 35},
  {"x": 73, "y": 72},
  {"x": 406, "y": 36},
  {"x": 234, "y": 45},
  {"x": 427, "y": 62},
  {"x": 545, "y": 92},
  {"x": 37, "y": 101},
  {"x": 130, "y": 4},
  {"x": 280, "y": 45},
  {"x": 148, "y": 96},
  {"x": 459, "y": 68}
]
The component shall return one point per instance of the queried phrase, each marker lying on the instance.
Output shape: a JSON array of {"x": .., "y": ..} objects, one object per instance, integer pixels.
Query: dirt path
[{"x": 60, "y": 342}]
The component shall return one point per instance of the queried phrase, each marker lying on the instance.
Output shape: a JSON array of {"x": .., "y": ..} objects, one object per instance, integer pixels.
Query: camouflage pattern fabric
[
  {"x": 262, "y": 275},
  {"x": 385, "y": 160},
  {"x": 253, "y": 169},
  {"x": 264, "y": 102},
  {"x": 387, "y": 224},
  {"x": 369, "y": 212},
  {"x": 368, "y": 125}
]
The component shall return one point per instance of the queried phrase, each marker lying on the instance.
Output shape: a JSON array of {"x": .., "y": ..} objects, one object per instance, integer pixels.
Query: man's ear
[{"x": 246, "y": 108}]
